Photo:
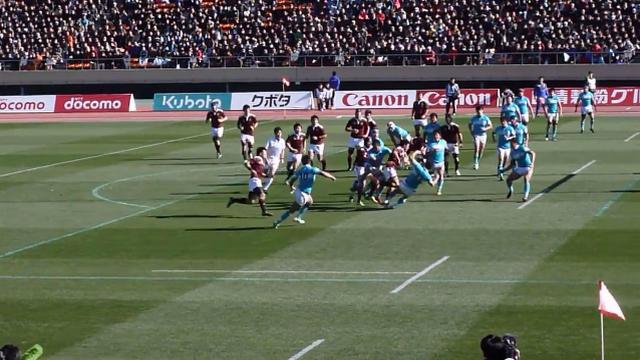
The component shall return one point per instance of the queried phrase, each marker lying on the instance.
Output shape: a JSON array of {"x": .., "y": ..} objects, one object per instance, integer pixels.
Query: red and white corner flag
[
  {"x": 285, "y": 82},
  {"x": 608, "y": 305}
]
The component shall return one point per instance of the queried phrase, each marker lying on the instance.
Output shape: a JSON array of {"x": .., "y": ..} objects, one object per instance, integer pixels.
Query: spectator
[
  {"x": 452, "y": 92},
  {"x": 334, "y": 81},
  {"x": 329, "y": 96},
  {"x": 318, "y": 95}
]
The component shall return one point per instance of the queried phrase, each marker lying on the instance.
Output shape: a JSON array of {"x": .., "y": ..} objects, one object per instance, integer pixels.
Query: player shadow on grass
[
  {"x": 189, "y": 163},
  {"x": 224, "y": 229},
  {"x": 210, "y": 193},
  {"x": 197, "y": 216}
]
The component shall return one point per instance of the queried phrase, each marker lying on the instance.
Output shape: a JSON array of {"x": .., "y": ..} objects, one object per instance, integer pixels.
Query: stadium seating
[{"x": 207, "y": 33}]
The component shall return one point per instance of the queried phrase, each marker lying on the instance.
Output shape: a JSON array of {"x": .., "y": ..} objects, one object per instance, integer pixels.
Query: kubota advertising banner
[{"x": 95, "y": 103}]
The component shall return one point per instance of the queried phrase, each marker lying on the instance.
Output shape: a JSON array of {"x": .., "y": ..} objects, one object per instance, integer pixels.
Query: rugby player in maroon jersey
[
  {"x": 295, "y": 143},
  {"x": 359, "y": 171},
  {"x": 316, "y": 136},
  {"x": 452, "y": 135},
  {"x": 256, "y": 167},
  {"x": 419, "y": 115},
  {"x": 247, "y": 123},
  {"x": 216, "y": 117},
  {"x": 358, "y": 130}
]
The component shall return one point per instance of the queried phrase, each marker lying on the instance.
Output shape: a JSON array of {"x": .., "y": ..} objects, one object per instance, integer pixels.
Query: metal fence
[{"x": 452, "y": 59}]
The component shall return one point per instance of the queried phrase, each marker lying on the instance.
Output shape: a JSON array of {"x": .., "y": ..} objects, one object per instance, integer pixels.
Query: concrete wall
[{"x": 627, "y": 73}]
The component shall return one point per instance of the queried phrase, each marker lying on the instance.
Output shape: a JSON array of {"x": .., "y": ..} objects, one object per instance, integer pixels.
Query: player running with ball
[
  {"x": 553, "y": 112},
  {"x": 524, "y": 159},
  {"x": 256, "y": 167},
  {"x": 502, "y": 135},
  {"x": 436, "y": 150},
  {"x": 306, "y": 177},
  {"x": 216, "y": 117},
  {"x": 478, "y": 126}
]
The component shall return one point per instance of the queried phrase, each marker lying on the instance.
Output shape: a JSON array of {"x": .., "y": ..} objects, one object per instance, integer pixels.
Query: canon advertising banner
[
  {"x": 469, "y": 98},
  {"x": 375, "y": 99}
]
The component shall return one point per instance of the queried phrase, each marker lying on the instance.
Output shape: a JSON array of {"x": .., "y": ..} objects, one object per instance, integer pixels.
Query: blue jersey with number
[
  {"x": 478, "y": 122},
  {"x": 586, "y": 98},
  {"x": 429, "y": 130},
  {"x": 522, "y": 102},
  {"x": 376, "y": 157},
  {"x": 552, "y": 104},
  {"x": 509, "y": 110},
  {"x": 504, "y": 134},
  {"x": 417, "y": 175},
  {"x": 437, "y": 150},
  {"x": 306, "y": 176},
  {"x": 522, "y": 156},
  {"x": 520, "y": 131}
]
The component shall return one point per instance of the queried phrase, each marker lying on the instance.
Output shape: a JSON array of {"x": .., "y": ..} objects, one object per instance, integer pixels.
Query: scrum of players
[{"x": 427, "y": 153}]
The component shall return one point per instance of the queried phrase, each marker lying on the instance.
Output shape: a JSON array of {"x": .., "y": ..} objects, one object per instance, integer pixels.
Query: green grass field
[{"x": 82, "y": 243}]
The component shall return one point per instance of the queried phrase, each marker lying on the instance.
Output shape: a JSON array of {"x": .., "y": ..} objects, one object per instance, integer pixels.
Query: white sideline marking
[
  {"x": 287, "y": 280},
  {"x": 307, "y": 349},
  {"x": 94, "y": 227},
  {"x": 419, "y": 275},
  {"x": 100, "y": 155},
  {"x": 632, "y": 136},
  {"x": 538, "y": 196},
  {"x": 285, "y": 272}
]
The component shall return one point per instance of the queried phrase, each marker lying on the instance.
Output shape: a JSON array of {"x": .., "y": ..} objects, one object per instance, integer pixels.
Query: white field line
[
  {"x": 307, "y": 349},
  {"x": 99, "y": 155},
  {"x": 336, "y": 272},
  {"x": 419, "y": 275},
  {"x": 538, "y": 196},
  {"x": 631, "y": 137},
  {"x": 87, "y": 229},
  {"x": 284, "y": 280}
]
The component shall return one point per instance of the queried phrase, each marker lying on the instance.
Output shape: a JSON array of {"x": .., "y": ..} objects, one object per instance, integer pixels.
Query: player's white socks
[
  {"x": 527, "y": 188},
  {"x": 267, "y": 183}
]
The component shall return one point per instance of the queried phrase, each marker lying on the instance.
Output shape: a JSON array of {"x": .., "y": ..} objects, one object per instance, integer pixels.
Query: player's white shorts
[
  {"x": 453, "y": 149},
  {"x": 525, "y": 118},
  {"x": 272, "y": 164},
  {"x": 355, "y": 143},
  {"x": 407, "y": 190},
  {"x": 587, "y": 110},
  {"x": 522, "y": 171},
  {"x": 551, "y": 117},
  {"x": 254, "y": 183},
  {"x": 217, "y": 132},
  {"x": 294, "y": 157},
  {"x": 437, "y": 166},
  {"x": 480, "y": 139},
  {"x": 316, "y": 148},
  {"x": 358, "y": 170},
  {"x": 503, "y": 152},
  {"x": 420, "y": 122},
  {"x": 302, "y": 197},
  {"x": 247, "y": 139},
  {"x": 389, "y": 173}
]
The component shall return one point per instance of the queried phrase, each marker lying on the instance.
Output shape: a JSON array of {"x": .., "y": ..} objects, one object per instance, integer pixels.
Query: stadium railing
[{"x": 451, "y": 59}]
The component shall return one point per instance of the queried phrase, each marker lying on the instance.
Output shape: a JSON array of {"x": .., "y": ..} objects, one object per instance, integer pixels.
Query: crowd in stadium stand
[{"x": 44, "y": 34}]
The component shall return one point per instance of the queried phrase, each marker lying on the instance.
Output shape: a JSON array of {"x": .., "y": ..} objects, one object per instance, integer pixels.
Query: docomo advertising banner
[
  {"x": 95, "y": 103},
  {"x": 469, "y": 98},
  {"x": 605, "y": 96},
  {"x": 27, "y": 104},
  {"x": 190, "y": 101},
  {"x": 382, "y": 99},
  {"x": 276, "y": 100}
]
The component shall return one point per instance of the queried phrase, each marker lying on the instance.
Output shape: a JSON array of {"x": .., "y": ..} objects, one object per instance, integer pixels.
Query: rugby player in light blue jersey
[
  {"x": 398, "y": 135},
  {"x": 373, "y": 169},
  {"x": 524, "y": 161},
  {"x": 478, "y": 126},
  {"x": 540, "y": 92},
  {"x": 524, "y": 105},
  {"x": 437, "y": 149},
  {"x": 553, "y": 111},
  {"x": 502, "y": 135},
  {"x": 521, "y": 131},
  {"x": 306, "y": 176},
  {"x": 431, "y": 127},
  {"x": 410, "y": 184},
  {"x": 588, "y": 102},
  {"x": 509, "y": 109}
]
